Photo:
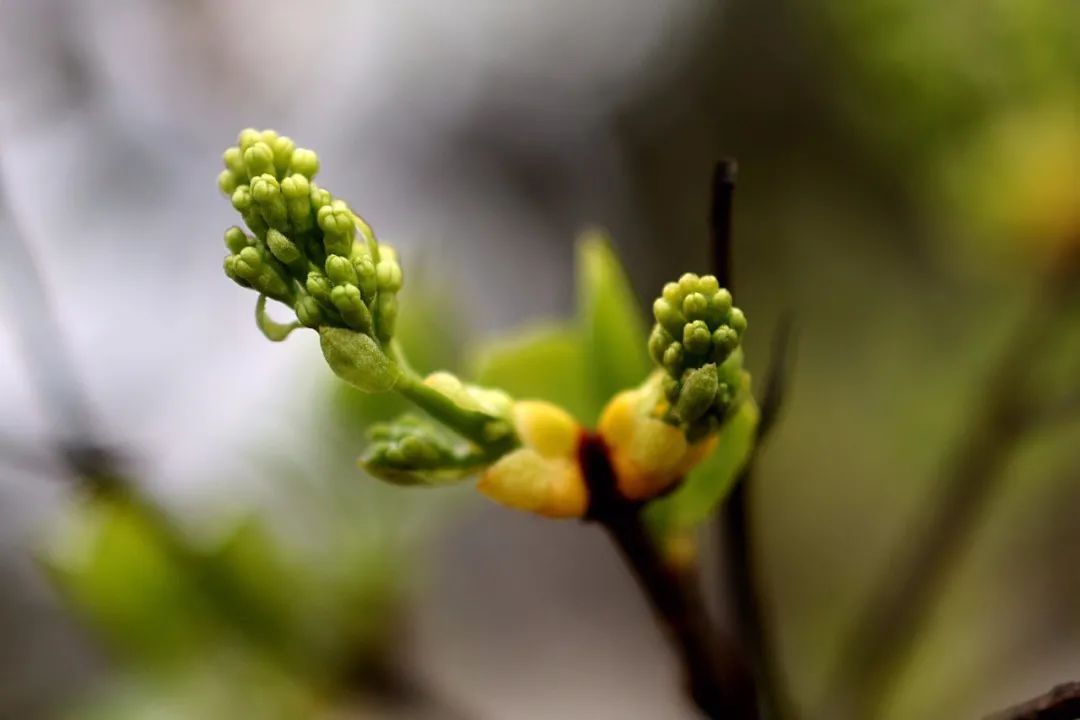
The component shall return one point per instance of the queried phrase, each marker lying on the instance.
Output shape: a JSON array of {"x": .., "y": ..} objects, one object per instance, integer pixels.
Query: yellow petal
[
  {"x": 526, "y": 480},
  {"x": 546, "y": 428},
  {"x": 648, "y": 454}
]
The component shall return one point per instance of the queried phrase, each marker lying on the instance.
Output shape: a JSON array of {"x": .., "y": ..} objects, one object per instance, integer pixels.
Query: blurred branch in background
[
  {"x": 890, "y": 628},
  {"x": 1061, "y": 703},
  {"x": 741, "y": 582}
]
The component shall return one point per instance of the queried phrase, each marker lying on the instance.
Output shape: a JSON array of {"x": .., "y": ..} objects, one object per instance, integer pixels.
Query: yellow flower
[
  {"x": 545, "y": 476},
  {"x": 647, "y": 454},
  {"x": 542, "y": 476}
]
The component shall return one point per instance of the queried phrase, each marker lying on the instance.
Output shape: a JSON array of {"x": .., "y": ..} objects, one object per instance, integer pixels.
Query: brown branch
[
  {"x": 735, "y": 538},
  {"x": 720, "y": 213},
  {"x": 716, "y": 678},
  {"x": 738, "y": 569},
  {"x": 1061, "y": 703},
  {"x": 889, "y": 629}
]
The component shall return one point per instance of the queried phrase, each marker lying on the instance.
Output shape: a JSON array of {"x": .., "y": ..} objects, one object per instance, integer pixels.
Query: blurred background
[{"x": 909, "y": 187}]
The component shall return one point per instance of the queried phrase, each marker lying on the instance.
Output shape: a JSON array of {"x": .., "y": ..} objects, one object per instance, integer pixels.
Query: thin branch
[
  {"x": 716, "y": 678},
  {"x": 738, "y": 568},
  {"x": 1061, "y": 703},
  {"x": 720, "y": 214},
  {"x": 900, "y": 602}
]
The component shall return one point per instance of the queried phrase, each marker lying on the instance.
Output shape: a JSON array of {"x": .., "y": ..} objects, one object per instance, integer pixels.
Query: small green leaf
[
  {"x": 358, "y": 360},
  {"x": 544, "y": 364},
  {"x": 709, "y": 483},
  {"x": 612, "y": 324},
  {"x": 111, "y": 565},
  {"x": 274, "y": 331}
]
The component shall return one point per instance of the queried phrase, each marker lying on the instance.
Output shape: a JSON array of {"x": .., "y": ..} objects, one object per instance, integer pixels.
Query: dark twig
[
  {"x": 741, "y": 583},
  {"x": 1061, "y": 703},
  {"x": 737, "y": 547},
  {"x": 716, "y": 678},
  {"x": 889, "y": 629},
  {"x": 720, "y": 214}
]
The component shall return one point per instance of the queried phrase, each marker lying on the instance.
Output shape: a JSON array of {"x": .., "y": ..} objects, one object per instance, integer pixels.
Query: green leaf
[
  {"x": 358, "y": 360},
  {"x": 543, "y": 364},
  {"x": 274, "y": 331},
  {"x": 110, "y": 564},
  {"x": 706, "y": 487},
  {"x": 612, "y": 323}
]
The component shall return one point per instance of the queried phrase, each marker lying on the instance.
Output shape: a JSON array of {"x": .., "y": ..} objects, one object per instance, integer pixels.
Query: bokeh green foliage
[
  {"x": 973, "y": 106},
  {"x": 278, "y": 612}
]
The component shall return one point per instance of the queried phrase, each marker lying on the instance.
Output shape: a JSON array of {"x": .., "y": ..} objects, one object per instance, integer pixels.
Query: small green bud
[
  {"x": 673, "y": 358},
  {"x": 308, "y": 311},
  {"x": 367, "y": 277},
  {"x": 259, "y": 159},
  {"x": 282, "y": 247},
  {"x": 266, "y": 193},
  {"x": 296, "y": 187},
  {"x": 241, "y": 199},
  {"x": 410, "y": 451},
  {"x": 340, "y": 270},
  {"x": 252, "y": 267},
  {"x": 688, "y": 283},
  {"x": 227, "y": 182},
  {"x": 386, "y": 311},
  {"x": 249, "y": 262},
  {"x": 737, "y": 321},
  {"x": 320, "y": 198},
  {"x": 695, "y": 306},
  {"x": 708, "y": 285},
  {"x": 659, "y": 340},
  {"x": 297, "y": 193},
  {"x": 305, "y": 162},
  {"x": 336, "y": 222},
  {"x": 696, "y": 337},
  {"x": 283, "y": 148},
  {"x": 346, "y": 298},
  {"x": 724, "y": 340},
  {"x": 672, "y": 294},
  {"x": 388, "y": 276},
  {"x": 667, "y": 315},
  {"x": 236, "y": 239},
  {"x": 234, "y": 162},
  {"x": 697, "y": 395},
  {"x": 318, "y": 286},
  {"x": 719, "y": 307},
  {"x": 231, "y": 270},
  {"x": 247, "y": 138}
]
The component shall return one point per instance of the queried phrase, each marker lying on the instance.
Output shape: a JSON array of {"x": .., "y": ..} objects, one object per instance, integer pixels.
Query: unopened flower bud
[
  {"x": 259, "y": 159},
  {"x": 308, "y": 311},
  {"x": 236, "y": 239},
  {"x": 696, "y": 338},
  {"x": 318, "y": 286},
  {"x": 697, "y": 394},
  {"x": 282, "y": 247},
  {"x": 347, "y": 299},
  {"x": 304, "y": 162},
  {"x": 340, "y": 270}
]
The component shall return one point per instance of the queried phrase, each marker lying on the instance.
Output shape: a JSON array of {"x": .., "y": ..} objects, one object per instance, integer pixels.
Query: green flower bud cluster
[
  {"x": 696, "y": 340},
  {"x": 306, "y": 248},
  {"x": 412, "y": 451}
]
